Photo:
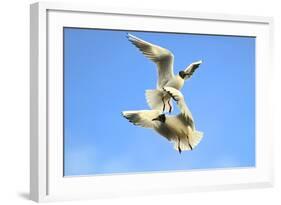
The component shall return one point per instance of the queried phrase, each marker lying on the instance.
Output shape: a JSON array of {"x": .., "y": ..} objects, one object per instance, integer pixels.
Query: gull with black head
[
  {"x": 180, "y": 129},
  {"x": 164, "y": 59}
]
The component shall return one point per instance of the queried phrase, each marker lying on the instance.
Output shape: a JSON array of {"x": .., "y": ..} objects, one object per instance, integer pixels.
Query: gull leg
[
  {"x": 163, "y": 104},
  {"x": 170, "y": 107},
  {"x": 179, "y": 148},
  {"x": 189, "y": 144}
]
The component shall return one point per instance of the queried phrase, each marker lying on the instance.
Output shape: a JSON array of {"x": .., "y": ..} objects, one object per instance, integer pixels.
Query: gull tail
[
  {"x": 196, "y": 138},
  {"x": 154, "y": 99},
  {"x": 188, "y": 143}
]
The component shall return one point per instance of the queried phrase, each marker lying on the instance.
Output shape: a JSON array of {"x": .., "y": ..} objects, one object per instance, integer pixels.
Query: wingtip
[
  {"x": 130, "y": 36},
  {"x": 125, "y": 114},
  {"x": 173, "y": 93},
  {"x": 133, "y": 38}
]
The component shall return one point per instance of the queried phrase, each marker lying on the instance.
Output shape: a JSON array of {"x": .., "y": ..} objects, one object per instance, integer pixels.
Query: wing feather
[
  {"x": 191, "y": 68},
  {"x": 179, "y": 98},
  {"x": 142, "y": 118},
  {"x": 161, "y": 56}
]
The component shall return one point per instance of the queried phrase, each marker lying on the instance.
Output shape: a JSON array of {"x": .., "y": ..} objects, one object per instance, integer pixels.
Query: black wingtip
[
  {"x": 127, "y": 35},
  {"x": 171, "y": 95},
  {"x": 122, "y": 114}
]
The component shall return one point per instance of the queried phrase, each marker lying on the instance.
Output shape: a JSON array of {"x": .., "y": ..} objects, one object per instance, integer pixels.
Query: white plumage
[
  {"x": 179, "y": 98},
  {"x": 183, "y": 124},
  {"x": 179, "y": 129},
  {"x": 164, "y": 59},
  {"x": 146, "y": 119}
]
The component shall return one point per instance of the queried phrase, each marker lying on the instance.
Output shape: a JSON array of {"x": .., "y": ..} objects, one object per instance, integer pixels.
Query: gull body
[
  {"x": 145, "y": 118},
  {"x": 164, "y": 59},
  {"x": 179, "y": 129}
]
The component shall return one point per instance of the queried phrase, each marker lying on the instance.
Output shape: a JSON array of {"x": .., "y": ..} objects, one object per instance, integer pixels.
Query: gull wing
[
  {"x": 179, "y": 98},
  {"x": 162, "y": 57},
  {"x": 142, "y": 118},
  {"x": 191, "y": 68}
]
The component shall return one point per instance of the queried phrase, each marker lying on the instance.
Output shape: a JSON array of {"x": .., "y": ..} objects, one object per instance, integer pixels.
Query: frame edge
[
  {"x": 38, "y": 175},
  {"x": 95, "y": 8},
  {"x": 38, "y": 103},
  {"x": 34, "y": 25}
]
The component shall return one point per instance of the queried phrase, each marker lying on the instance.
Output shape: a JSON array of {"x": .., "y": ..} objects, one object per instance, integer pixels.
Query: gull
[
  {"x": 179, "y": 129},
  {"x": 164, "y": 59}
]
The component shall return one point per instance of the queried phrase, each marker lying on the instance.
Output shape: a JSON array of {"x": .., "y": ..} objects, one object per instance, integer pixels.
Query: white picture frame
[{"x": 46, "y": 143}]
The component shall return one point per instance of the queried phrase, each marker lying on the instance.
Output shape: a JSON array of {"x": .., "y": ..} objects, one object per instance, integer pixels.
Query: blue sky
[{"x": 104, "y": 74}]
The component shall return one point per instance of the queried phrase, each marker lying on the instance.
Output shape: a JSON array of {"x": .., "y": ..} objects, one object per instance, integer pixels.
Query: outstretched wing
[
  {"x": 162, "y": 57},
  {"x": 142, "y": 118},
  {"x": 179, "y": 98},
  {"x": 191, "y": 68}
]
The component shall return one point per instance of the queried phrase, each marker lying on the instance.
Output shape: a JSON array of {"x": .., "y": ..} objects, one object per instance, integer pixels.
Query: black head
[
  {"x": 161, "y": 118},
  {"x": 182, "y": 74}
]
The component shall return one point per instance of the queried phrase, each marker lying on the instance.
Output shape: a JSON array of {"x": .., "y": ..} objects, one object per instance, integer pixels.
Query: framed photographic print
[{"x": 128, "y": 102}]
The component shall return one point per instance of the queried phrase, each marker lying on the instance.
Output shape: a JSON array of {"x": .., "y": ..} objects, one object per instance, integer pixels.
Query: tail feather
[
  {"x": 182, "y": 145},
  {"x": 154, "y": 99},
  {"x": 189, "y": 143},
  {"x": 196, "y": 138}
]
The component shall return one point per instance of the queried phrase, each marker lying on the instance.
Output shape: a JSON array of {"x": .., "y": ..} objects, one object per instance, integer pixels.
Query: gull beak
[
  {"x": 187, "y": 75},
  {"x": 155, "y": 119}
]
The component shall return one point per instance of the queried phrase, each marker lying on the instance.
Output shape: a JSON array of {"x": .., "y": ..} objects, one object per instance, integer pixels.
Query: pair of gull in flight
[{"x": 179, "y": 129}]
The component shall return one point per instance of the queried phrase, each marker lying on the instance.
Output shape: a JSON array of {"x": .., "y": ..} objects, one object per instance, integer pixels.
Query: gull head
[
  {"x": 183, "y": 74},
  {"x": 161, "y": 118}
]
